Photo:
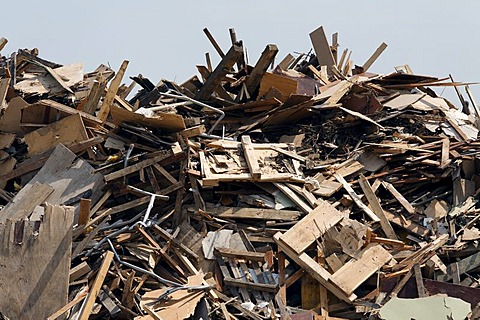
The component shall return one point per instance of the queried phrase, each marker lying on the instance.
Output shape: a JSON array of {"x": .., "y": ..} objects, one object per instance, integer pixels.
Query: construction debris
[{"x": 308, "y": 189}]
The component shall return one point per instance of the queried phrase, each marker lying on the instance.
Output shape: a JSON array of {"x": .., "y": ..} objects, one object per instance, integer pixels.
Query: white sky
[{"x": 165, "y": 40}]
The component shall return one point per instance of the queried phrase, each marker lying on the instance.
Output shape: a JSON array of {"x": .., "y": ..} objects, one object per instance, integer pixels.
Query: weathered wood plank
[
  {"x": 251, "y": 157},
  {"x": 352, "y": 274},
  {"x": 215, "y": 78}
]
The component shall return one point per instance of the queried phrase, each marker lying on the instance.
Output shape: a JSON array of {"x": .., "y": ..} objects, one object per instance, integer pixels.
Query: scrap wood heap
[{"x": 315, "y": 189}]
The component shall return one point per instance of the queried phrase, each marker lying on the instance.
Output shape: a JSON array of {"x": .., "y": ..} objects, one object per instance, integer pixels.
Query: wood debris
[{"x": 309, "y": 189}]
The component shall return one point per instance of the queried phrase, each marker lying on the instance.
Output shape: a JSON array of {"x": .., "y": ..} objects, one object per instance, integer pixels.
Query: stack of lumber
[{"x": 308, "y": 189}]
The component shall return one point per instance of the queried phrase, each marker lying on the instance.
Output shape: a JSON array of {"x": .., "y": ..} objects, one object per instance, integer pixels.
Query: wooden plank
[
  {"x": 95, "y": 94},
  {"x": 79, "y": 270},
  {"x": 286, "y": 62},
  {"x": 407, "y": 224},
  {"x": 305, "y": 207},
  {"x": 54, "y": 75},
  {"x": 285, "y": 85},
  {"x": 84, "y": 213},
  {"x": 322, "y": 48},
  {"x": 400, "y": 198},
  {"x": 35, "y": 264},
  {"x": 355, "y": 272},
  {"x": 356, "y": 198},
  {"x": 253, "y": 213},
  {"x": 112, "y": 92},
  {"x": 374, "y": 57},
  {"x": 4, "y": 85},
  {"x": 289, "y": 153},
  {"x": 165, "y": 173},
  {"x": 311, "y": 227},
  {"x": 213, "y": 42},
  {"x": 314, "y": 269},
  {"x": 240, "y": 254},
  {"x": 215, "y": 78},
  {"x": 69, "y": 130},
  {"x": 3, "y": 43},
  {"x": 135, "y": 167},
  {"x": 70, "y": 177},
  {"x": 376, "y": 207},
  {"x": 251, "y": 157},
  {"x": 361, "y": 116},
  {"x": 96, "y": 286},
  {"x": 268, "y": 55},
  {"x": 419, "y": 281},
  {"x": 445, "y": 161},
  {"x": 68, "y": 306}
]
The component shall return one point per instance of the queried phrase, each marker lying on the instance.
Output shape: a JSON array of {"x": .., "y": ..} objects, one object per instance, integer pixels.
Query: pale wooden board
[
  {"x": 352, "y": 274},
  {"x": 34, "y": 275},
  {"x": 374, "y": 56},
  {"x": 403, "y": 101},
  {"x": 68, "y": 130},
  {"x": 311, "y": 227},
  {"x": 253, "y": 213},
  {"x": 322, "y": 48}
]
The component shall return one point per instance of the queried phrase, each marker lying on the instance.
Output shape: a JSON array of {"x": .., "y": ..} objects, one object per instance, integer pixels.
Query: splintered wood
[{"x": 308, "y": 189}]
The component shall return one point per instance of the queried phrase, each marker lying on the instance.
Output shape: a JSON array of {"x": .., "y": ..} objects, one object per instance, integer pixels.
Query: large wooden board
[
  {"x": 311, "y": 227},
  {"x": 34, "y": 274},
  {"x": 352, "y": 274}
]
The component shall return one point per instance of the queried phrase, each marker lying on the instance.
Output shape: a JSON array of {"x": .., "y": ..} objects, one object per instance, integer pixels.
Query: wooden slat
[
  {"x": 376, "y": 207},
  {"x": 253, "y": 213},
  {"x": 356, "y": 198},
  {"x": 97, "y": 285},
  {"x": 374, "y": 57},
  {"x": 112, "y": 92},
  {"x": 400, "y": 198},
  {"x": 251, "y": 157}
]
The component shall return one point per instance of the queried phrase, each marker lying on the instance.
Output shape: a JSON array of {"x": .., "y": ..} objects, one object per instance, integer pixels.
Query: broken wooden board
[
  {"x": 352, "y": 274},
  {"x": 314, "y": 269},
  {"x": 311, "y": 227},
  {"x": 69, "y": 130},
  {"x": 35, "y": 293}
]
